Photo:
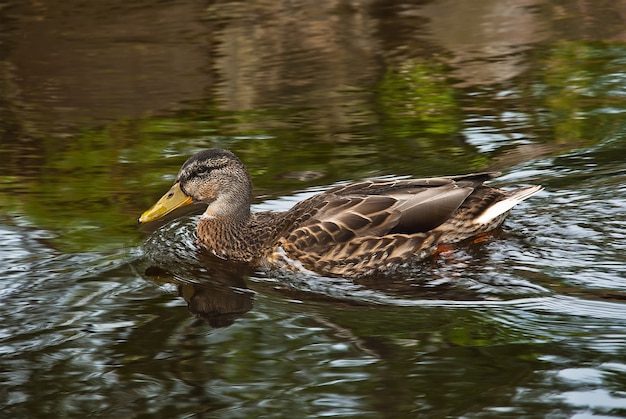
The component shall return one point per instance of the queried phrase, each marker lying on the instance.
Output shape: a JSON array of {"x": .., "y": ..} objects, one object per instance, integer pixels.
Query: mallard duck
[{"x": 351, "y": 230}]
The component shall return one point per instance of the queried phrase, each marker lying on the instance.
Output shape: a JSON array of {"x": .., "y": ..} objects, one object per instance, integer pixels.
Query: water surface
[{"x": 100, "y": 103}]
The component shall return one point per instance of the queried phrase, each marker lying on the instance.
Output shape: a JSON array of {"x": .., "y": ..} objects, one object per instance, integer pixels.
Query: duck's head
[{"x": 214, "y": 177}]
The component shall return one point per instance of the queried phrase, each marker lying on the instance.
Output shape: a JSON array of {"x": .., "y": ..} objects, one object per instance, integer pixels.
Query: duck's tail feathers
[{"x": 502, "y": 207}]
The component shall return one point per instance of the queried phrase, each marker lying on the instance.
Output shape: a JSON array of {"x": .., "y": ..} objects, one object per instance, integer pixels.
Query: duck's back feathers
[{"x": 383, "y": 207}]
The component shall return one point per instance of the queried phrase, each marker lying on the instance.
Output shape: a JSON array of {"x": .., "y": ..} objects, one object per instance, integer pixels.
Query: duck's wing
[{"x": 374, "y": 209}]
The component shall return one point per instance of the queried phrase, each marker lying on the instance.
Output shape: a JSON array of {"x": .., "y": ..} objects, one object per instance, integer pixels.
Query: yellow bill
[{"x": 174, "y": 198}]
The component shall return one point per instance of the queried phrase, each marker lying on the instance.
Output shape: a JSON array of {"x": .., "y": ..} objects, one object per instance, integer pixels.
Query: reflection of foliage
[
  {"x": 416, "y": 99},
  {"x": 420, "y": 118},
  {"x": 581, "y": 80},
  {"x": 85, "y": 190},
  {"x": 568, "y": 80}
]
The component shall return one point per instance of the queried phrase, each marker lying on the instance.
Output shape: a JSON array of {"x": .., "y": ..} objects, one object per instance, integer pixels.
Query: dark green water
[{"x": 100, "y": 103}]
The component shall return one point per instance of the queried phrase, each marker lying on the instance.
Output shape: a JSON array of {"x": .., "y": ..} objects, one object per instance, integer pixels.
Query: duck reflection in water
[{"x": 215, "y": 293}]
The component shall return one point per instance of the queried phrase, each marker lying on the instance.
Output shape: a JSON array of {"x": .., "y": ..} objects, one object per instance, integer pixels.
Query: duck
[{"x": 352, "y": 230}]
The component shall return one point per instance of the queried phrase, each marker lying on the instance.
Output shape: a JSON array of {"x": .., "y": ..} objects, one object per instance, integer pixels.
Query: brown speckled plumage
[{"x": 352, "y": 230}]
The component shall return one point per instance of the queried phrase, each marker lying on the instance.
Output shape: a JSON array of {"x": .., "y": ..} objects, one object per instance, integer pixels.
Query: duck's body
[{"x": 352, "y": 230}]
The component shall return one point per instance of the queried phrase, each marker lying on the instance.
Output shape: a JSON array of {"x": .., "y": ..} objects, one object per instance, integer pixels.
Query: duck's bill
[{"x": 174, "y": 198}]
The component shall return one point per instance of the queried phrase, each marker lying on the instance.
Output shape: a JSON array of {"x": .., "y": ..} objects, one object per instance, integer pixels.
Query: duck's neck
[
  {"x": 227, "y": 237},
  {"x": 225, "y": 225}
]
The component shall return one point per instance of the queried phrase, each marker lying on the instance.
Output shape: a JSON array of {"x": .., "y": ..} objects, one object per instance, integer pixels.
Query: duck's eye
[{"x": 201, "y": 170}]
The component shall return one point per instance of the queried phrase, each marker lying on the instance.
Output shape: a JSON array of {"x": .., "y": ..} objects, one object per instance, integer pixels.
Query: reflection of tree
[
  {"x": 420, "y": 117},
  {"x": 418, "y": 99},
  {"x": 570, "y": 78},
  {"x": 82, "y": 66}
]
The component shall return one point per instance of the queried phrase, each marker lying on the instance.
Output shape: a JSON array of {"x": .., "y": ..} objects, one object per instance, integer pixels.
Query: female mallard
[{"x": 351, "y": 230}]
